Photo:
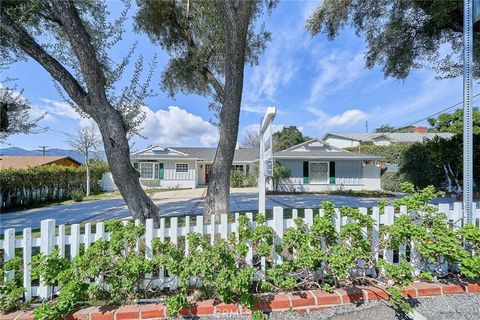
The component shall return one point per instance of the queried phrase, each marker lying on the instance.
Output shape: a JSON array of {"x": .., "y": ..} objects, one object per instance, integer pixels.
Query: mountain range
[{"x": 15, "y": 151}]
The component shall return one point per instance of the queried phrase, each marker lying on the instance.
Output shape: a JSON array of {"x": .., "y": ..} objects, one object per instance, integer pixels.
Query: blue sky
[{"x": 316, "y": 84}]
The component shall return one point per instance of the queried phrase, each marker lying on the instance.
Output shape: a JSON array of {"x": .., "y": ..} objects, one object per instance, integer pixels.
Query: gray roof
[
  {"x": 326, "y": 151},
  {"x": 193, "y": 153},
  {"x": 393, "y": 136}
]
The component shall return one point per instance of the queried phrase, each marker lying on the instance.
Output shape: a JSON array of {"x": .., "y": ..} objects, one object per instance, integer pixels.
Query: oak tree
[
  {"x": 71, "y": 40},
  {"x": 209, "y": 43}
]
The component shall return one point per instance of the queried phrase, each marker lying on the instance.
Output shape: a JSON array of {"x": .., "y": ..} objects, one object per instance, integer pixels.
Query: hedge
[{"x": 23, "y": 188}]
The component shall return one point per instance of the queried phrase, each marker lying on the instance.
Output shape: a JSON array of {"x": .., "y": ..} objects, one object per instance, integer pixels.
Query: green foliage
[
  {"x": 288, "y": 137},
  {"x": 78, "y": 196},
  {"x": 398, "y": 301},
  {"x": 280, "y": 174},
  {"x": 391, "y": 181},
  {"x": 44, "y": 184},
  {"x": 258, "y": 315},
  {"x": 453, "y": 122},
  {"x": 11, "y": 291},
  {"x": 175, "y": 303},
  {"x": 313, "y": 256},
  {"x": 391, "y": 153},
  {"x": 394, "y": 42}
]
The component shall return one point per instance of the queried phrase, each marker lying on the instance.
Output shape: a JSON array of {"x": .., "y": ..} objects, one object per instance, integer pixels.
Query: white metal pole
[
  {"x": 261, "y": 174},
  {"x": 467, "y": 110}
]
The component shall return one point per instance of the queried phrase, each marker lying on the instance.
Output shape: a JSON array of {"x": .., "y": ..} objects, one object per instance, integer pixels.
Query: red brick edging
[{"x": 304, "y": 301}]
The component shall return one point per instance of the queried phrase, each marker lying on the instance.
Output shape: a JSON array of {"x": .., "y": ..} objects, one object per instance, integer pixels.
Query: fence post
[
  {"x": 212, "y": 229},
  {"x": 27, "y": 258},
  {"x": 376, "y": 230},
  {"x": 278, "y": 228},
  {"x": 9, "y": 247},
  {"x": 187, "y": 231},
  {"x": 47, "y": 241}
]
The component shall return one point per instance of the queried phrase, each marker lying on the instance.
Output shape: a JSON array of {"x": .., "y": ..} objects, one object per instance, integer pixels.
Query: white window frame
[
  {"x": 181, "y": 163},
  {"x": 153, "y": 170},
  {"x": 310, "y": 170},
  {"x": 238, "y": 165}
]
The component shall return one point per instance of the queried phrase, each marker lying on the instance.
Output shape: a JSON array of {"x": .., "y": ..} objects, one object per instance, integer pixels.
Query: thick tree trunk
[
  {"x": 236, "y": 16},
  {"x": 92, "y": 100}
]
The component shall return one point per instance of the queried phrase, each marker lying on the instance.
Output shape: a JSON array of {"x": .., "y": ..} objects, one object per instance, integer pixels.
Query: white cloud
[
  {"x": 346, "y": 119},
  {"x": 176, "y": 127},
  {"x": 334, "y": 74},
  {"x": 256, "y": 128},
  {"x": 58, "y": 109}
]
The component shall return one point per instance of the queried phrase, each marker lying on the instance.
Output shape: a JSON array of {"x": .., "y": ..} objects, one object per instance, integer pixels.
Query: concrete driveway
[{"x": 171, "y": 203}]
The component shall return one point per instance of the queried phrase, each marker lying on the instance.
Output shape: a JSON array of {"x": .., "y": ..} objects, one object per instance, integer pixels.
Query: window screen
[
  {"x": 319, "y": 172},
  {"x": 181, "y": 167}
]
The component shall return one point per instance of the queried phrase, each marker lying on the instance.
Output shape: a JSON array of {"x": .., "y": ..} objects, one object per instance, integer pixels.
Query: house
[
  {"x": 23, "y": 162},
  {"x": 313, "y": 165},
  {"x": 318, "y": 166},
  {"x": 354, "y": 139},
  {"x": 183, "y": 167}
]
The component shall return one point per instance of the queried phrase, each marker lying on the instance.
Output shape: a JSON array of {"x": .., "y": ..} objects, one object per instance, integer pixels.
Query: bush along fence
[
  {"x": 237, "y": 257},
  {"x": 22, "y": 188}
]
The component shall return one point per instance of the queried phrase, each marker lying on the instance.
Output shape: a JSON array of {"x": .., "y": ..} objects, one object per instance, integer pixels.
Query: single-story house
[
  {"x": 183, "y": 167},
  {"x": 313, "y": 165},
  {"x": 23, "y": 162},
  {"x": 318, "y": 166},
  {"x": 354, "y": 139}
]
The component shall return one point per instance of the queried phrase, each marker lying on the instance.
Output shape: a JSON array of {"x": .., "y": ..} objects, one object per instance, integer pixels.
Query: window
[
  {"x": 237, "y": 167},
  {"x": 181, "y": 167},
  {"x": 318, "y": 172},
  {"x": 146, "y": 170}
]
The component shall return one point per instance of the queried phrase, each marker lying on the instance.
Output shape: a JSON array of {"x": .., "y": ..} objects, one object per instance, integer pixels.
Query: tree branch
[{"x": 34, "y": 50}]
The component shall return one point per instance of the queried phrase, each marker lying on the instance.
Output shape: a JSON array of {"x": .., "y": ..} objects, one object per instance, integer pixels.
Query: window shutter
[
  {"x": 135, "y": 165},
  {"x": 161, "y": 171},
  {"x": 305, "y": 172},
  {"x": 331, "y": 178}
]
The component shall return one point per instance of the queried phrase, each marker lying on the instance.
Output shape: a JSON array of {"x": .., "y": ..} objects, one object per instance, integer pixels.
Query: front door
[{"x": 208, "y": 167}]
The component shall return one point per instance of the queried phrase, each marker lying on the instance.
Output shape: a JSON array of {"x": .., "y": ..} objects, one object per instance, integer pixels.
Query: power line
[{"x": 436, "y": 113}]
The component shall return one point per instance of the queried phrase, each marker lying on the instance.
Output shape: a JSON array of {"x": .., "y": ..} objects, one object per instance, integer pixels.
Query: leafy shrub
[
  {"x": 78, "y": 196},
  {"x": 391, "y": 181},
  {"x": 317, "y": 255},
  {"x": 237, "y": 178}
]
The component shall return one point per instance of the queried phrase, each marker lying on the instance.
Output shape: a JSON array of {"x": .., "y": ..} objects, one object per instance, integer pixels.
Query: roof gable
[{"x": 315, "y": 145}]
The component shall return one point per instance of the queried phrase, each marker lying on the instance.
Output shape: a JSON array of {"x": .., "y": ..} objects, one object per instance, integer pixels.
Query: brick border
[{"x": 302, "y": 301}]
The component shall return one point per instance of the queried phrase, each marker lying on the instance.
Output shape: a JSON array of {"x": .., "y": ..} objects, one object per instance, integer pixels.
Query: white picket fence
[{"x": 52, "y": 236}]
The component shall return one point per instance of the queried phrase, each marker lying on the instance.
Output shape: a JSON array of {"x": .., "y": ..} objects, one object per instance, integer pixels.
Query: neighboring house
[
  {"x": 354, "y": 139},
  {"x": 318, "y": 166},
  {"x": 23, "y": 162},
  {"x": 313, "y": 166},
  {"x": 182, "y": 167}
]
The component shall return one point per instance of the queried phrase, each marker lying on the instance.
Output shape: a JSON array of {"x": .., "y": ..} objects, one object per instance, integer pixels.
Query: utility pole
[
  {"x": 366, "y": 126},
  {"x": 43, "y": 149},
  {"x": 468, "y": 21}
]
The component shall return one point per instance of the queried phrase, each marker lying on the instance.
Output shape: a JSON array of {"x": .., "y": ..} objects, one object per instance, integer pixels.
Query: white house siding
[
  {"x": 173, "y": 179},
  {"x": 340, "y": 142},
  {"x": 349, "y": 174}
]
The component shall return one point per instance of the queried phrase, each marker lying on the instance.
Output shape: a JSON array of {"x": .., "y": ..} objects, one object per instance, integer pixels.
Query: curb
[{"x": 302, "y": 301}]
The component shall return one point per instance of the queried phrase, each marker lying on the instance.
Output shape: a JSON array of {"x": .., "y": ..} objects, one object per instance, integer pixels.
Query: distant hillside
[{"x": 14, "y": 151}]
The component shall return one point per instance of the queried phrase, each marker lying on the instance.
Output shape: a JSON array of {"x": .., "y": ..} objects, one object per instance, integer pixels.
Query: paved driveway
[{"x": 171, "y": 203}]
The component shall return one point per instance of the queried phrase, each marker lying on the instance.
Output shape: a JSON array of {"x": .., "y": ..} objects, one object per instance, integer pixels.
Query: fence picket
[
  {"x": 309, "y": 217},
  {"x": 47, "y": 241},
  {"x": 61, "y": 240},
  {"x": 87, "y": 235},
  {"x": 27, "y": 258},
  {"x": 74, "y": 240},
  {"x": 49, "y": 238},
  {"x": 278, "y": 228},
  {"x": 187, "y": 230},
  {"x": 9, "y": 249}
]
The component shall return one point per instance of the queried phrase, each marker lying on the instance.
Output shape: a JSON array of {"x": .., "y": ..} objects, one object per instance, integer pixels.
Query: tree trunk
[
  {"x": 236, "y": 17},
  {"x": 92, "y": 100}
]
